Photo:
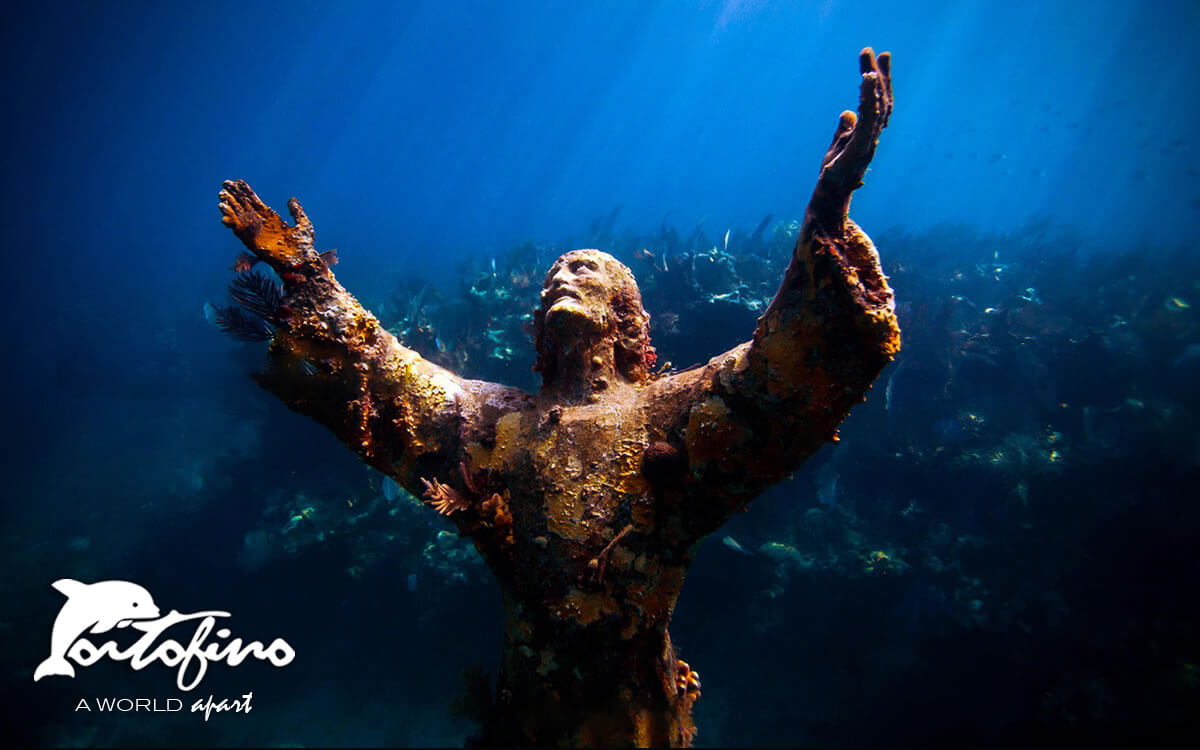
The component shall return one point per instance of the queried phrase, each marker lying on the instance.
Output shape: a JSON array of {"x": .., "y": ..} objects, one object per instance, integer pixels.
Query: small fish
[
  {"x": 727, "y": 231},
  {"x": 890, "y": 388},
  {"x": 732, "y": 544},
  {"x": 243, "y": 263},
  {"x": 95, "y": 608},
  {"x": 779, "y": 552},
  {"x": 1175, "y": 304},
  {"x": 210, "y": 312},
  {"x": 330, "y": 257}
]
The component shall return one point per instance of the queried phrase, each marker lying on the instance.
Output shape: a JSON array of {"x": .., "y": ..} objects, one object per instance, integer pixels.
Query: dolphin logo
[{"x": 92, "y": 607}]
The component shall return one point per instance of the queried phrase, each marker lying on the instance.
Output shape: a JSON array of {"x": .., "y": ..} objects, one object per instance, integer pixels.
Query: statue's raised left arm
[{"x": 751, "y": 416}]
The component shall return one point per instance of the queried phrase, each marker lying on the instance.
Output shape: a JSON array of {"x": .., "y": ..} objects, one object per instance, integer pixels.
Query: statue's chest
[{"x": 577, "y": 467}]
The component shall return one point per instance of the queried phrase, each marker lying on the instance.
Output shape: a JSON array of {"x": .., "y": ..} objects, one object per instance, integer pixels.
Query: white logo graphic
[{"x": 99, "y": 607}]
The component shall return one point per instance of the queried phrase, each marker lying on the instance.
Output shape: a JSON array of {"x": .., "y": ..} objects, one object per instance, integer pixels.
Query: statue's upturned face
[
  {"x": 591, "y": 298},
  {"x": 578, "y": 292}
]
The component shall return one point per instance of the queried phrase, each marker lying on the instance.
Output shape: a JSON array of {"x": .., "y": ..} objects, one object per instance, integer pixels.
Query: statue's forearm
[
  {"x": 832, "y": 326},
  {"x": 766, "y": 405},
  {"x": 332, "y": 360},
  {"x": 762, "y": 408},
  {"x": 829, "y": 331}
]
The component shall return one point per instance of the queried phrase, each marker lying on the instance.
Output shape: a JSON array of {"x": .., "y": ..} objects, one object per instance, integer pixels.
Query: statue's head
[{"x": 591, "y": 295}]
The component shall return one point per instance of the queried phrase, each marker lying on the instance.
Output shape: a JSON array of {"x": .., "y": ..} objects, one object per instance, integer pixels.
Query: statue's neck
[{"x": 585, "y": 370}]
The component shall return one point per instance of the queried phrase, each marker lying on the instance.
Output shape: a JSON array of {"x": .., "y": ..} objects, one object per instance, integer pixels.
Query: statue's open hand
[
  {"x": 262, "y": 230},
  {"x": 854, "y": 142}
]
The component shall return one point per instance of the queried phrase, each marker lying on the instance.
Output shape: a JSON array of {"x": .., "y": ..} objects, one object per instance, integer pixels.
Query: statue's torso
[
  {"x": 595, "y": 573},
  {"x": 575, "y": 483}
]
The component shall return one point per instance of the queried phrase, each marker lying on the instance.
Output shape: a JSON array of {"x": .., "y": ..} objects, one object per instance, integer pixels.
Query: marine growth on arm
[
  {"x": 756, "y": 412},
  {"x": 332, "y": 360}
]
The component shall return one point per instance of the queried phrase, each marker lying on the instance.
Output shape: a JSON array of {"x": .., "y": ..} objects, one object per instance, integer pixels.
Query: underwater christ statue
[{"x": 587, "y": 498}]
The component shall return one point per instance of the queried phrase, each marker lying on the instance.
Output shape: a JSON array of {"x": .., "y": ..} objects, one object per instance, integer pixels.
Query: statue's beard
[{"x": 568, "y": 319}]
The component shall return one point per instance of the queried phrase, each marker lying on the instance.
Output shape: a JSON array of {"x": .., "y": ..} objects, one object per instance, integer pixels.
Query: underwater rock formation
[{"x": 587, "y": 498}]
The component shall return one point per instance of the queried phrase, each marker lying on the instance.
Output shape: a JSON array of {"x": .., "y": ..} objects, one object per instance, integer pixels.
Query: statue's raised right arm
[
  {"x": 753, "y": 414},
  {"x": 332, "y": 360}
]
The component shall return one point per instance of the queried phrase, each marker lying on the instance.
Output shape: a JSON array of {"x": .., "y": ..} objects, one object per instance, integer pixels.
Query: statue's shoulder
[
  {"x": 495, "y": 399},
  {"x": 678, "y": 384}
]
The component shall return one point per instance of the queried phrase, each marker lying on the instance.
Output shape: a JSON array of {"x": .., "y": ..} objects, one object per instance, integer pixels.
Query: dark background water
[{"x": 425, "y": 139}]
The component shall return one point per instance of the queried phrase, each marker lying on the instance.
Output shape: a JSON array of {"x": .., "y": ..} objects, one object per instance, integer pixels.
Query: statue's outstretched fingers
[
  {"x": 228, "y": 212},
  {"x": 237, "y": 215},
  {"x": 846, "y": 162},
  {"x": 871, "y": 98},
  {"x": 866, "y": 61},
  {"x": 298, "y": 216},
  {"x": 246, "y": 196},
  {"x": 243, "y": 201},
  {"x": 231, "y": 208},
  {"x": 874, "y": 109},
  {"x": 885, "y": 69},
  {"x": 875, "y": 97}
]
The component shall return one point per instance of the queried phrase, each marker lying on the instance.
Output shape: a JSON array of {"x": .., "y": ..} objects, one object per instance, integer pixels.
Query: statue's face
[{"x": 578, "y": 291}]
